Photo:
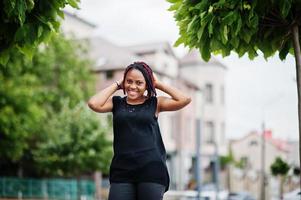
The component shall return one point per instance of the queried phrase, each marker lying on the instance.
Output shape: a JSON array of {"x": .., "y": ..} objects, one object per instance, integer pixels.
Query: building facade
[
  {"x": 210, "y": 77},
  {"x": 249, "y": 151}
]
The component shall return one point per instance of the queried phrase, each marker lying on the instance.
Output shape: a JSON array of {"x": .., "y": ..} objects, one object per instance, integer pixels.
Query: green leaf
[
  {"x": 246, "y": 35},
  {"x": 30, "y": 4},
  {"x": 27, "y": 50},
  {"x": 211, "y": 25},
  {"x": 226, "y": 52},
  {"x": 285, "y": 50},
  {"x": 229, "y": 18},
  {"x": 238, "y": 25},
  {"x": 285, "y": 7},
  {"x": 40, "y": 31},
  {"x": 61, "y": 14},
  {"x": 4, "y": 57},
  {"x": 192, "y": 24},
  {"x": 200, "y": 32},
  {"x": 205, "y": 49},
  {"x": 234, "y": 42},
  {"x": 252, "y": 53},
  {"x": 73, "y": 3},
  {"x": 179, "y": 41},
  {"x": 21, "y": 8},
  {"x": 202, "y": 5},
  {"x": 224, "y": 34}
]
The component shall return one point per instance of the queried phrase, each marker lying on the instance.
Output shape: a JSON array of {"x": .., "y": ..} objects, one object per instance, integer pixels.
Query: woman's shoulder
[{"x": 117, "y": 99}]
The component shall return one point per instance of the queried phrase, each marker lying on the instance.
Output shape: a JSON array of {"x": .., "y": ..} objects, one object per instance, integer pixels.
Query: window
[
  {"x": 109, "y": 74},
  {"x": 209, "y": 93},
  {"x": 253, "y": 143},
  {"x": 210, "y": 132}
]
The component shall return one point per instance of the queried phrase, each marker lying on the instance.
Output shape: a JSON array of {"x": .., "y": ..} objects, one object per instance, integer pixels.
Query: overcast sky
[{"x": 255, "y": 90}]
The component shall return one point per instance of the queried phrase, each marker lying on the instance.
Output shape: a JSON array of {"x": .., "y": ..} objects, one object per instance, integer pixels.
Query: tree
[
  {"x": 242, "y": 26},
  {"x": 75, "y": 144},
  {"x": 40, "y": 100},
  {"x": 280, "y": 168},
  {"x": 225, "y": 163},
  {"x": 26, "y": 23}
]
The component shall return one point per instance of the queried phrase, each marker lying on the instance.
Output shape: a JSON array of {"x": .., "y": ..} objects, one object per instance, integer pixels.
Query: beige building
[
  {"x": 210, "y": 78},
  {"x": 77, "y": 27},
  {"x": 248, "y": 151}
]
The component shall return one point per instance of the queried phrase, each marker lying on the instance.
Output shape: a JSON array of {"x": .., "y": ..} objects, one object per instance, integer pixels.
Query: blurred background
[{"x": 241, "y": 122}]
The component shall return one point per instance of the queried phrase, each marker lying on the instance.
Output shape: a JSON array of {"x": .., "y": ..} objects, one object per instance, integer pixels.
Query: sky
[{"x": 256, "y": 91}]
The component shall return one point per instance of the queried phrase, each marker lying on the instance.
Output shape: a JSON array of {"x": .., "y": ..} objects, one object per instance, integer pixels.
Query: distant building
[
  {"x": 76, "y": 26},
  {"x": 210, "y": 78},
  {"x": 293, "y": 156},
  {"x": 248, "y": 151}
]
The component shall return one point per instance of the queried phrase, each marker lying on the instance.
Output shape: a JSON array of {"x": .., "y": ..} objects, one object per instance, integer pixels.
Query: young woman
[{"x": 138, "y": 169}]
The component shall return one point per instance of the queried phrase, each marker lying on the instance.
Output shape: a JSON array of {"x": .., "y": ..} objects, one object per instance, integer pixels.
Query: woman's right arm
[{"x": 102, "y": 101}]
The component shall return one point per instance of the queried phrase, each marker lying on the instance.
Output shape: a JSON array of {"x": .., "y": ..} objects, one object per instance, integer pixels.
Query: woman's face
[{"x": 134, "y": 84}]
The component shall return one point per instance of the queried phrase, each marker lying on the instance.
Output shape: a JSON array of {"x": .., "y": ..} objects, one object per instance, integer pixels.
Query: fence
[{"x": 54, "y": 189}]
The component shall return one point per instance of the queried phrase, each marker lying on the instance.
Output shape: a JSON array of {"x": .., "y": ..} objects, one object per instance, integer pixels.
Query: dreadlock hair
[{"x": 147, "y": 73}]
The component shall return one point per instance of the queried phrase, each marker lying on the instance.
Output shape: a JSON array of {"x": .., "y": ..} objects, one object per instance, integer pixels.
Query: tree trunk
[
  {"x": 297, "y": 52},
  {"x": 281, "y": 186}
]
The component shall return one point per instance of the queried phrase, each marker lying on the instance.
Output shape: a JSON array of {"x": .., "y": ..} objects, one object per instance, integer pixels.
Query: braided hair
[{"x": 147, "y": 73}]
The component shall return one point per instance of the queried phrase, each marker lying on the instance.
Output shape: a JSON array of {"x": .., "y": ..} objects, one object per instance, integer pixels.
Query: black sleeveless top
[{"x": 139, "y": 152}]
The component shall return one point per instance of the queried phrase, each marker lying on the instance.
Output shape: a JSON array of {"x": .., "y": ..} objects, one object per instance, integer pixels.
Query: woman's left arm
[{"x": 176, "y": 101}]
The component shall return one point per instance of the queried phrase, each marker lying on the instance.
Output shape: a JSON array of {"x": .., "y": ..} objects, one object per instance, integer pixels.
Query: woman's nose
[{"x": 132, "y": 86}]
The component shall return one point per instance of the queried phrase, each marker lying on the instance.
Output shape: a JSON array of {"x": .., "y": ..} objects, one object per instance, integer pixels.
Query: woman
[{"x": 138, "y": 169}]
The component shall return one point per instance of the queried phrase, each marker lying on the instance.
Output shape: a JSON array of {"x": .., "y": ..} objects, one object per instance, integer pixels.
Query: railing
[{"x": 56, "y": 189}]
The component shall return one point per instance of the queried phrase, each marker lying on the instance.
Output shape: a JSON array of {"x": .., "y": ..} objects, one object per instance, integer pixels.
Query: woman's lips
[{"x": 130, "y": 92}]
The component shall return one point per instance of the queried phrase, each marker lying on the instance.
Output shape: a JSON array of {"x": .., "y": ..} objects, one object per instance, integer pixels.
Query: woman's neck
[{"x": 140, "y": 100}]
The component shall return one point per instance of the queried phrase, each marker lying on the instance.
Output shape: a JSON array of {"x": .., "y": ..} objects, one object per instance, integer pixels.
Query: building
[
  {"x": 77, "y": 27},
  {"x": 210, "y": 78},
  {"x": 248, "y": 152}
]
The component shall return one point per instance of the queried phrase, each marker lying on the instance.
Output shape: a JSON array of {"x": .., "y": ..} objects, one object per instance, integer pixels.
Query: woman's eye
[{"x": 129, "y": 81}]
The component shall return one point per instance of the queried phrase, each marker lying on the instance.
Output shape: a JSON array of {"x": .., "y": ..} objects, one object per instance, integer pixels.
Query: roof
[
  {"x": 278, "y": 143},
  {"x": 109, "y": 56},
  {"x": 152, "y": 47},
  {"x": 193, "y": 57},
  {"x": 79, "y": 19}
]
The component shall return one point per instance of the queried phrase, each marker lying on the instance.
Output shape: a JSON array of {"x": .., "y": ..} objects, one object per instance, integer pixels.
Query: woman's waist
[{"x": 133, "y": 151}]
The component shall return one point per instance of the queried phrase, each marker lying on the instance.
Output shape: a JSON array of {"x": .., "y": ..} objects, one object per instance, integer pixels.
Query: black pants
[{"x": 138, "y": 191}]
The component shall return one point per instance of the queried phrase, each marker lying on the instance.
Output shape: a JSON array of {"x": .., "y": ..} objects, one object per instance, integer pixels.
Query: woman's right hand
[{"x": 120, "y": 82}]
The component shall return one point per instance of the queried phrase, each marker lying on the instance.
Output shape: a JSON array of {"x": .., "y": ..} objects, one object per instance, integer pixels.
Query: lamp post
[
  {"x": 198, "y": 168},
  {"x": 262, "y": 193},
  {"x": 263, "y": 147}
]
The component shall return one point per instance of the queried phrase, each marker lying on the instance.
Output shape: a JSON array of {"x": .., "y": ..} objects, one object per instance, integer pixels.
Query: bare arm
[
  {"x": 176, "y": 101},
  {"x": 102, "y": 101}
]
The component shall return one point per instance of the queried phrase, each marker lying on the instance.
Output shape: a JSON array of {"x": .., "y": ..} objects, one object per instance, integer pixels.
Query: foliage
[
  {"x": 243, "y": 26},
  {"x": 242, "y": 163},
  {"x": 26, "y": 23},
  {"x": 35, "y": 94},
  {"x": 75, "y": 138},
  {"x": 279, "y": 167},
  {"x": 226, "y": 160}
]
